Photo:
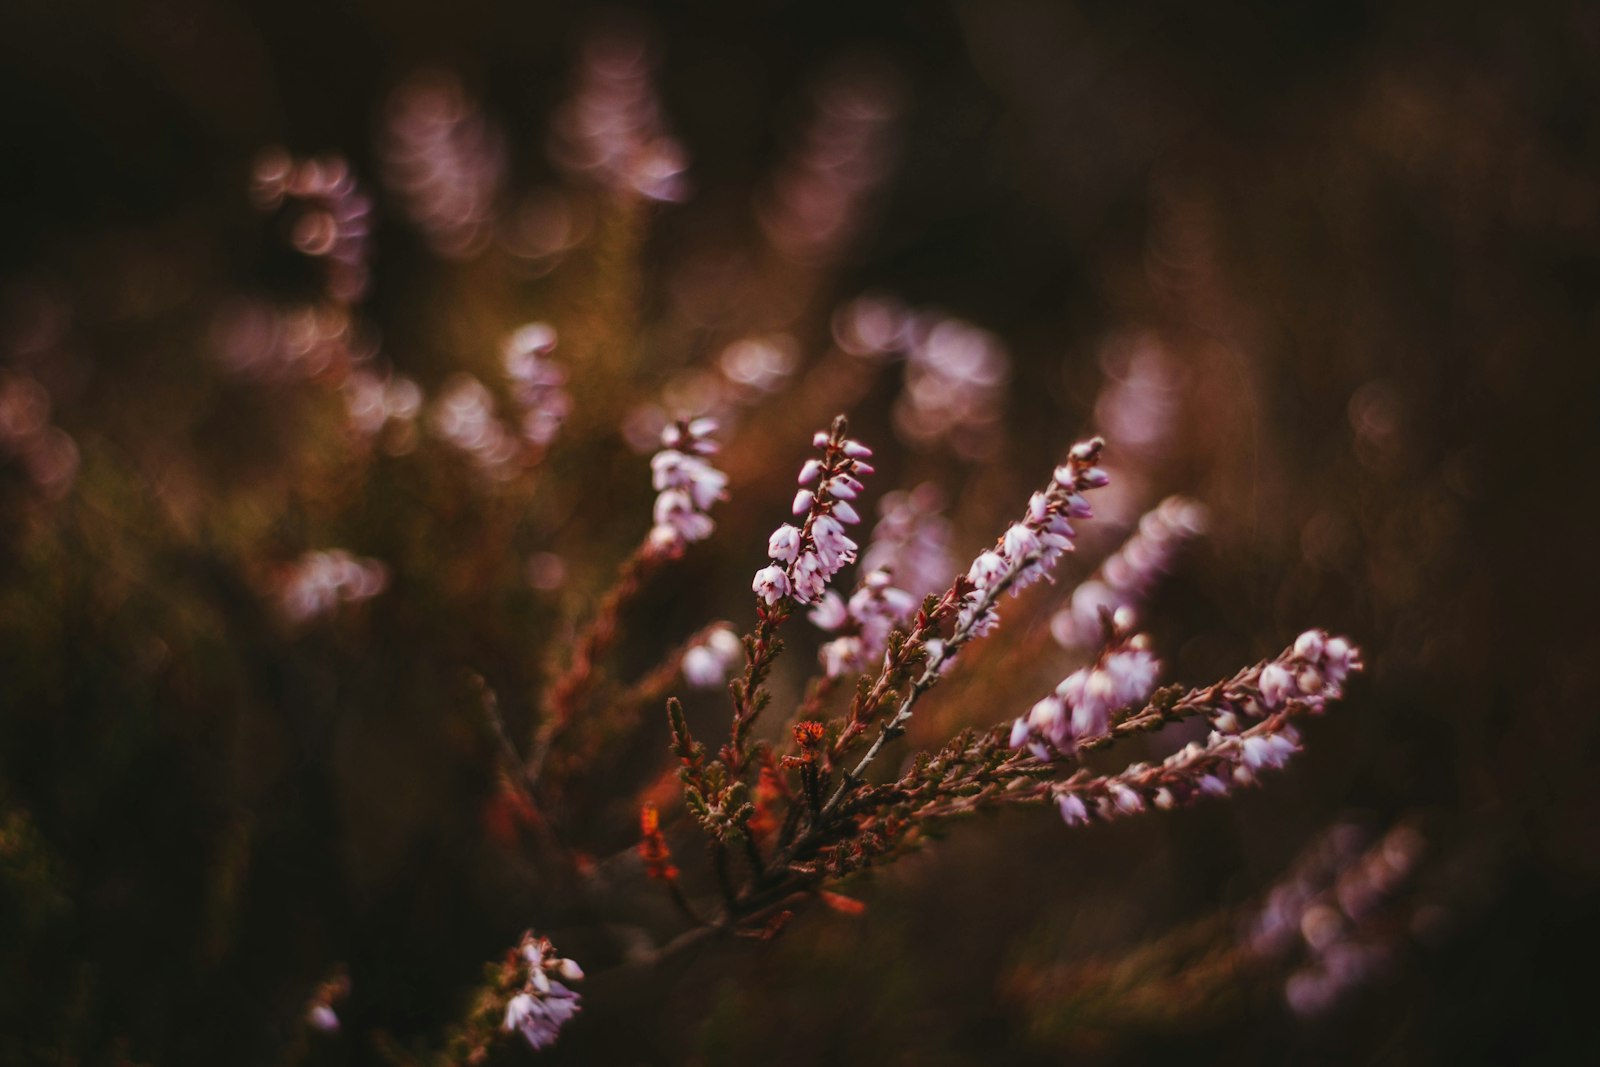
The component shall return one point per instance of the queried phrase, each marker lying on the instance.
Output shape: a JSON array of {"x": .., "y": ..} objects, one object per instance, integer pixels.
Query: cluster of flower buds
[
  {"x": 912, "y": 540},
  {"x": 804, "y": 558},
  {"x": 1303, "y": 679},
  {"x": 1127, "y": 577},
  {"x": 1081, "y": 706},
  {"x": 46, "y": 452},
  {"x": 545, "y": 1004},
  {"x": 373, "y": 402},
  {"x": 1336, "y": 908},
  {"x": 319, "y": 581},
  {"x": 463, "y": 417},
  {"x": 864, "y": 623},
  {"x": 611, "y": 128},
  {"x": 329, "y": 215},
  {"x": 686, "y": 485},
  {"x": 444, "y": 162},
  {"x": 707, "y": 663},
  {"x": 1028, "y": 551},
  {"x": 538, "y": 384}
]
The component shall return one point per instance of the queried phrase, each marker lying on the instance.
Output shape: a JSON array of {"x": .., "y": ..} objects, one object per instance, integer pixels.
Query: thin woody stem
[
  {"x": 568, "y": 691},
  {"x": 929, "y": 678}
]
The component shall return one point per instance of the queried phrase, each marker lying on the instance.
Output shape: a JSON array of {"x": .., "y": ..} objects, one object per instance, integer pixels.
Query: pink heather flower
[
  {"x": 987, "y": 569},
  {"x": 1127, "y": 577},
  {"x": 540, "y": 1018},
  {"x": 817, "y": 550},
  {"x": 1019, "y": 733},
  {"x": 771, "y": 584},
  {"x": 842, "y": 655},
  {"x": 687, "y": 485},
  {"x": 1277, "y": 685},
  {"x": 831, "y": 613},
  {"x": 1082, "y": 704},
  {"x": 707, "y": 664},
  {"x": 1309, "y": 646},
  {"x": 912, "y": 540},
  {"x": 1126, "y": 800},
  {"x": 321, "y": 1017},
  {"x": 784, "y": 544},
  {"x": 1073, "y": 811},
  {"x": 319, "y": 581}
]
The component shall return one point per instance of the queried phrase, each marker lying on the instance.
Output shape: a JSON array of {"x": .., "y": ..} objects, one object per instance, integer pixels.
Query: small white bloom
[
  {"x": 1019, "y": 733},
  {"x": 1073, "y": 812},
  {"x": 771, "y": 584},
  {"x": 784, "y": 544},
  {"x": 1276, "y": 685},
  {"x": 702, "y": 668}
]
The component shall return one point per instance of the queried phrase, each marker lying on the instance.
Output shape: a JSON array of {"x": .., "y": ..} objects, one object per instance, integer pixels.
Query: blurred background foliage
[{"x": 1366, "y": 237}]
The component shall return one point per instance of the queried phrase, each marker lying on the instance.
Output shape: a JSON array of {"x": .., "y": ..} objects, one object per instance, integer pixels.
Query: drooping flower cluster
[
  {"x": 1301, "y": 680},
  {"x": 538, "y": 383},
  {"x": 912, "y": 540},
  {"x": 611, "y": 128},
  {"x": 1126, "y": 578},
  {"x": 1028, "y": 551},
  {"x": 319, "y": 581},
  {"x": 444, "y": 162},
  {"x": 686, "y": 485},
  {"x": 1081, "y": 706},
  {"x": 327, "y": 215},
  {"x": 1336, "y": 911},
  {"x": 545, "y": 1004},
  {"x": 804, "y": 558},
  {"x": 864, "y": 623},
  {"x": 708, "y": 663}
]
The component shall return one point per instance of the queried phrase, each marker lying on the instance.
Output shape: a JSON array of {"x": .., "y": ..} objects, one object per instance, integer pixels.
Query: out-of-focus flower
[
  {"x": 687, "y": 485},
  {"x": 812, "y": 204},
  {"x": 611, "y": 129},
  {"x": 912, "y": 540},
  {"x": 871, "y": 613},
  {"x": 708, "y": 663},
  {"x": 544, "y": 1005},
  {"x": 319, "y": 581},
  {"x": 955, "y": 384},
  {"x": 463, "y": 416},
  {"x": 444, "y": 162},
  {"x": 1125, "y": 580},
  {"x": 538, "y": 383},
  {"x": 327, "y": 214}
]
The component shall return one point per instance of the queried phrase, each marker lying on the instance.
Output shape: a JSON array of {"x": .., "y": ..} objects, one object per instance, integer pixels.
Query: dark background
[{"x": 1373, "y": 232}]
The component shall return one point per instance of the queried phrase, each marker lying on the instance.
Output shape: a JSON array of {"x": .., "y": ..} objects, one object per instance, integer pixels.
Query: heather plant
[{"x": 475, "y": 502}]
